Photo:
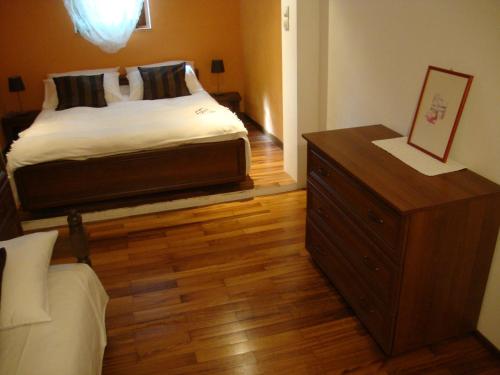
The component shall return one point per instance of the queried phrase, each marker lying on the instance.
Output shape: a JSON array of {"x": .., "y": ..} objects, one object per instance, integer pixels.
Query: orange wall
[
  {"x": 36, "y": 38},
  {"x": 261, "y": 32}
]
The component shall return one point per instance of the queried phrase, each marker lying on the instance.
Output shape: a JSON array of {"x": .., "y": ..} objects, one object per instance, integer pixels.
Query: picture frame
[
  {"x": 439, "y": 110},
  {"x": 144, "y": 22}
]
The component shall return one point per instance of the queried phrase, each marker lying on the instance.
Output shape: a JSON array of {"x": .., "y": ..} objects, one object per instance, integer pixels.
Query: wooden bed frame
[{"x": 69, "y": 183}]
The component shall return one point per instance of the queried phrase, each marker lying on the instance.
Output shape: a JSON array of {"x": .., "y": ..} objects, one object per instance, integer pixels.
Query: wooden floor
[
  {"x": 230, "y": 289},
  {"x": 267, "y": 160}
]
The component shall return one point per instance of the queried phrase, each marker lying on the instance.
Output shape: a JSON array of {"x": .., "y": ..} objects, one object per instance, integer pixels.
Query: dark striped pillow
[
  {"x": 80, "y": 91},
  {"x": 164, "y": 82}
]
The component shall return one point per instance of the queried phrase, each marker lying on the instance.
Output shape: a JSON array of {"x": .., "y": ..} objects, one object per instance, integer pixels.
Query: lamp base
[
  {"x": 20, "y": 102},
  {"x": 218, "y": 83}
]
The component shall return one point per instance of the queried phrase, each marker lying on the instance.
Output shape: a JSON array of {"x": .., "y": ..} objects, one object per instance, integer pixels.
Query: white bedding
[
  {"x": 81, "y": 133},
  {"x": 73, "y": 342}
]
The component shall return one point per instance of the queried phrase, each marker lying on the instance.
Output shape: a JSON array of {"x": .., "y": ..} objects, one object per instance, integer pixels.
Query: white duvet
[
  {"x": 73, "y": 342},
  {"x": 81, "y": 133}
]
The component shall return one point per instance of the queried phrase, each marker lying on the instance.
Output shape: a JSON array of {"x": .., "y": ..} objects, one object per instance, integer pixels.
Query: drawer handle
[
  {"x": 323, "y": 172},
  {"x": 365, "y": 305},
  {"x": 370, "y": 264},
  {"x": 321, "y": 212},
  {"x": 373, "y": 217}
]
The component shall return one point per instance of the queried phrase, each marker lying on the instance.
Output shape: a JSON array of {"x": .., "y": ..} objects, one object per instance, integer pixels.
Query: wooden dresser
[
  {"x": 10, "y": 225},
  {"x": 410, "y": 253}
]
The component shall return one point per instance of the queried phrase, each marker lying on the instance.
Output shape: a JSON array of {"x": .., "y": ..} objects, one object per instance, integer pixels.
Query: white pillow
[
  {"x": 125, "y": 91},
  {"x": 112, "y": 92},
  {"x": 137, "y": 86},
  {"x": 24, "y": 284}
]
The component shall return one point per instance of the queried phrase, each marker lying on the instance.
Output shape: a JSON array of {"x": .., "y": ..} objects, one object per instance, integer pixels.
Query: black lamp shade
[
  {"x": 16, "y": 84},
  {"x": 218, "y": 66}
]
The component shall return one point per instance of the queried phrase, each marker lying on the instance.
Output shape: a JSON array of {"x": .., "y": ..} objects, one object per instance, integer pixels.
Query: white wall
[
  {"x": 289, "y": 59},
  {"x": 308, "y": 77},
  {"x": 378, "y": 55},
  {"x": 304, "y": 92}
]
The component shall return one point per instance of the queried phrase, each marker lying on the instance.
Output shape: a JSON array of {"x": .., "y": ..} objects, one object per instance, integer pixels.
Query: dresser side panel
[{"x": 448, "y": 254}]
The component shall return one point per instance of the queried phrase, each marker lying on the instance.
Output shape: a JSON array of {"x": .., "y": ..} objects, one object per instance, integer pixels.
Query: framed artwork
[
  {"x": 439, "y": 109},
  {"x": 144, "y": 22}
]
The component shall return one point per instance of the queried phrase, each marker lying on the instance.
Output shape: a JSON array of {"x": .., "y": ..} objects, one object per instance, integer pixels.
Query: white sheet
[
  {"x": 425, "y": 164},
  {"x": 73, "y": 342},
  {"x": 81, "y": 133}
]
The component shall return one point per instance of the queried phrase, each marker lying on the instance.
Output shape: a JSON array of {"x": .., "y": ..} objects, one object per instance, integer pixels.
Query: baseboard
[
  {"x": 275, "y": 139},
  {"x": 488, "y": 344}
]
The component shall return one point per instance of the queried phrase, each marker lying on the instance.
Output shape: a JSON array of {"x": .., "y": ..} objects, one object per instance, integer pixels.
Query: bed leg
[{"x": 78, "y": 238}]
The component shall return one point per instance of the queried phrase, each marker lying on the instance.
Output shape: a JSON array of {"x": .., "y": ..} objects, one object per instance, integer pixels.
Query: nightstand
[
  {"x": 230, "y": 100},
  {"x": 14, "y": 123}
]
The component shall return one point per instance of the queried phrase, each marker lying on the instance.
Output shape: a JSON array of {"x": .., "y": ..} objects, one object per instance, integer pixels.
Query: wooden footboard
[{"x": 68, "y": 183}]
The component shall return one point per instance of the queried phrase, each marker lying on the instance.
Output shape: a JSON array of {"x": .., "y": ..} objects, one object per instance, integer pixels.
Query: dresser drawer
[
  {"x": 370, "y": 211},
  {"x": 375, "y": 316},
  {"x": 367, "y": 261}
]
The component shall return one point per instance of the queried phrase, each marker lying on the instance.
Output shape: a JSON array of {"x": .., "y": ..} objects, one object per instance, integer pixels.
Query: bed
[
  {"x": 85, "y": 155},
  {"x": 73, "y": 342}
]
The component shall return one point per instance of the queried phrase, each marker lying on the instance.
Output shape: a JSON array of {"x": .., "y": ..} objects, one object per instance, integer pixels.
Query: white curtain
[{"x": 105, "y": 23}]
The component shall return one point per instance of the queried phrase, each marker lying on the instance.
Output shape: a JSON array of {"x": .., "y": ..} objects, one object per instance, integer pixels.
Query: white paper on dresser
[{"x": 425, "y": 164}]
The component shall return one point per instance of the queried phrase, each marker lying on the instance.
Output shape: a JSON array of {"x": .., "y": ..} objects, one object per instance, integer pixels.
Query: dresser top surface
[{"x": 398, "y": 184}]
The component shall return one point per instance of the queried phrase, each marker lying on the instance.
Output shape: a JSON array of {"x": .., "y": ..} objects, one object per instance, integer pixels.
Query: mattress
[
  {"x": 73, "y": 342},
  {"x": 124, "y": 127}
]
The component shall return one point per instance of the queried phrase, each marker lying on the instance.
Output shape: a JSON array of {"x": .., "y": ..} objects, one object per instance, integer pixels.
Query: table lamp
[
  {"x": 218, "y": 68},
  {"x": 16, "y": 84}
]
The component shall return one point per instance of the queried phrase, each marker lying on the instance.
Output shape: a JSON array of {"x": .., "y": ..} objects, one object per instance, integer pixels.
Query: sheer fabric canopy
[{"x": 105, "y": 23}]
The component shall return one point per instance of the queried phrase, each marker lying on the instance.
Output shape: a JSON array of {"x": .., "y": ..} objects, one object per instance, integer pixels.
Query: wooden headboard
[{"x": 124, "y": 79}]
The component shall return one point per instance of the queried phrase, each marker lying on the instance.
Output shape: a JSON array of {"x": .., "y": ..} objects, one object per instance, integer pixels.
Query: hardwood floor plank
[{"x": 251, "y": 345}]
